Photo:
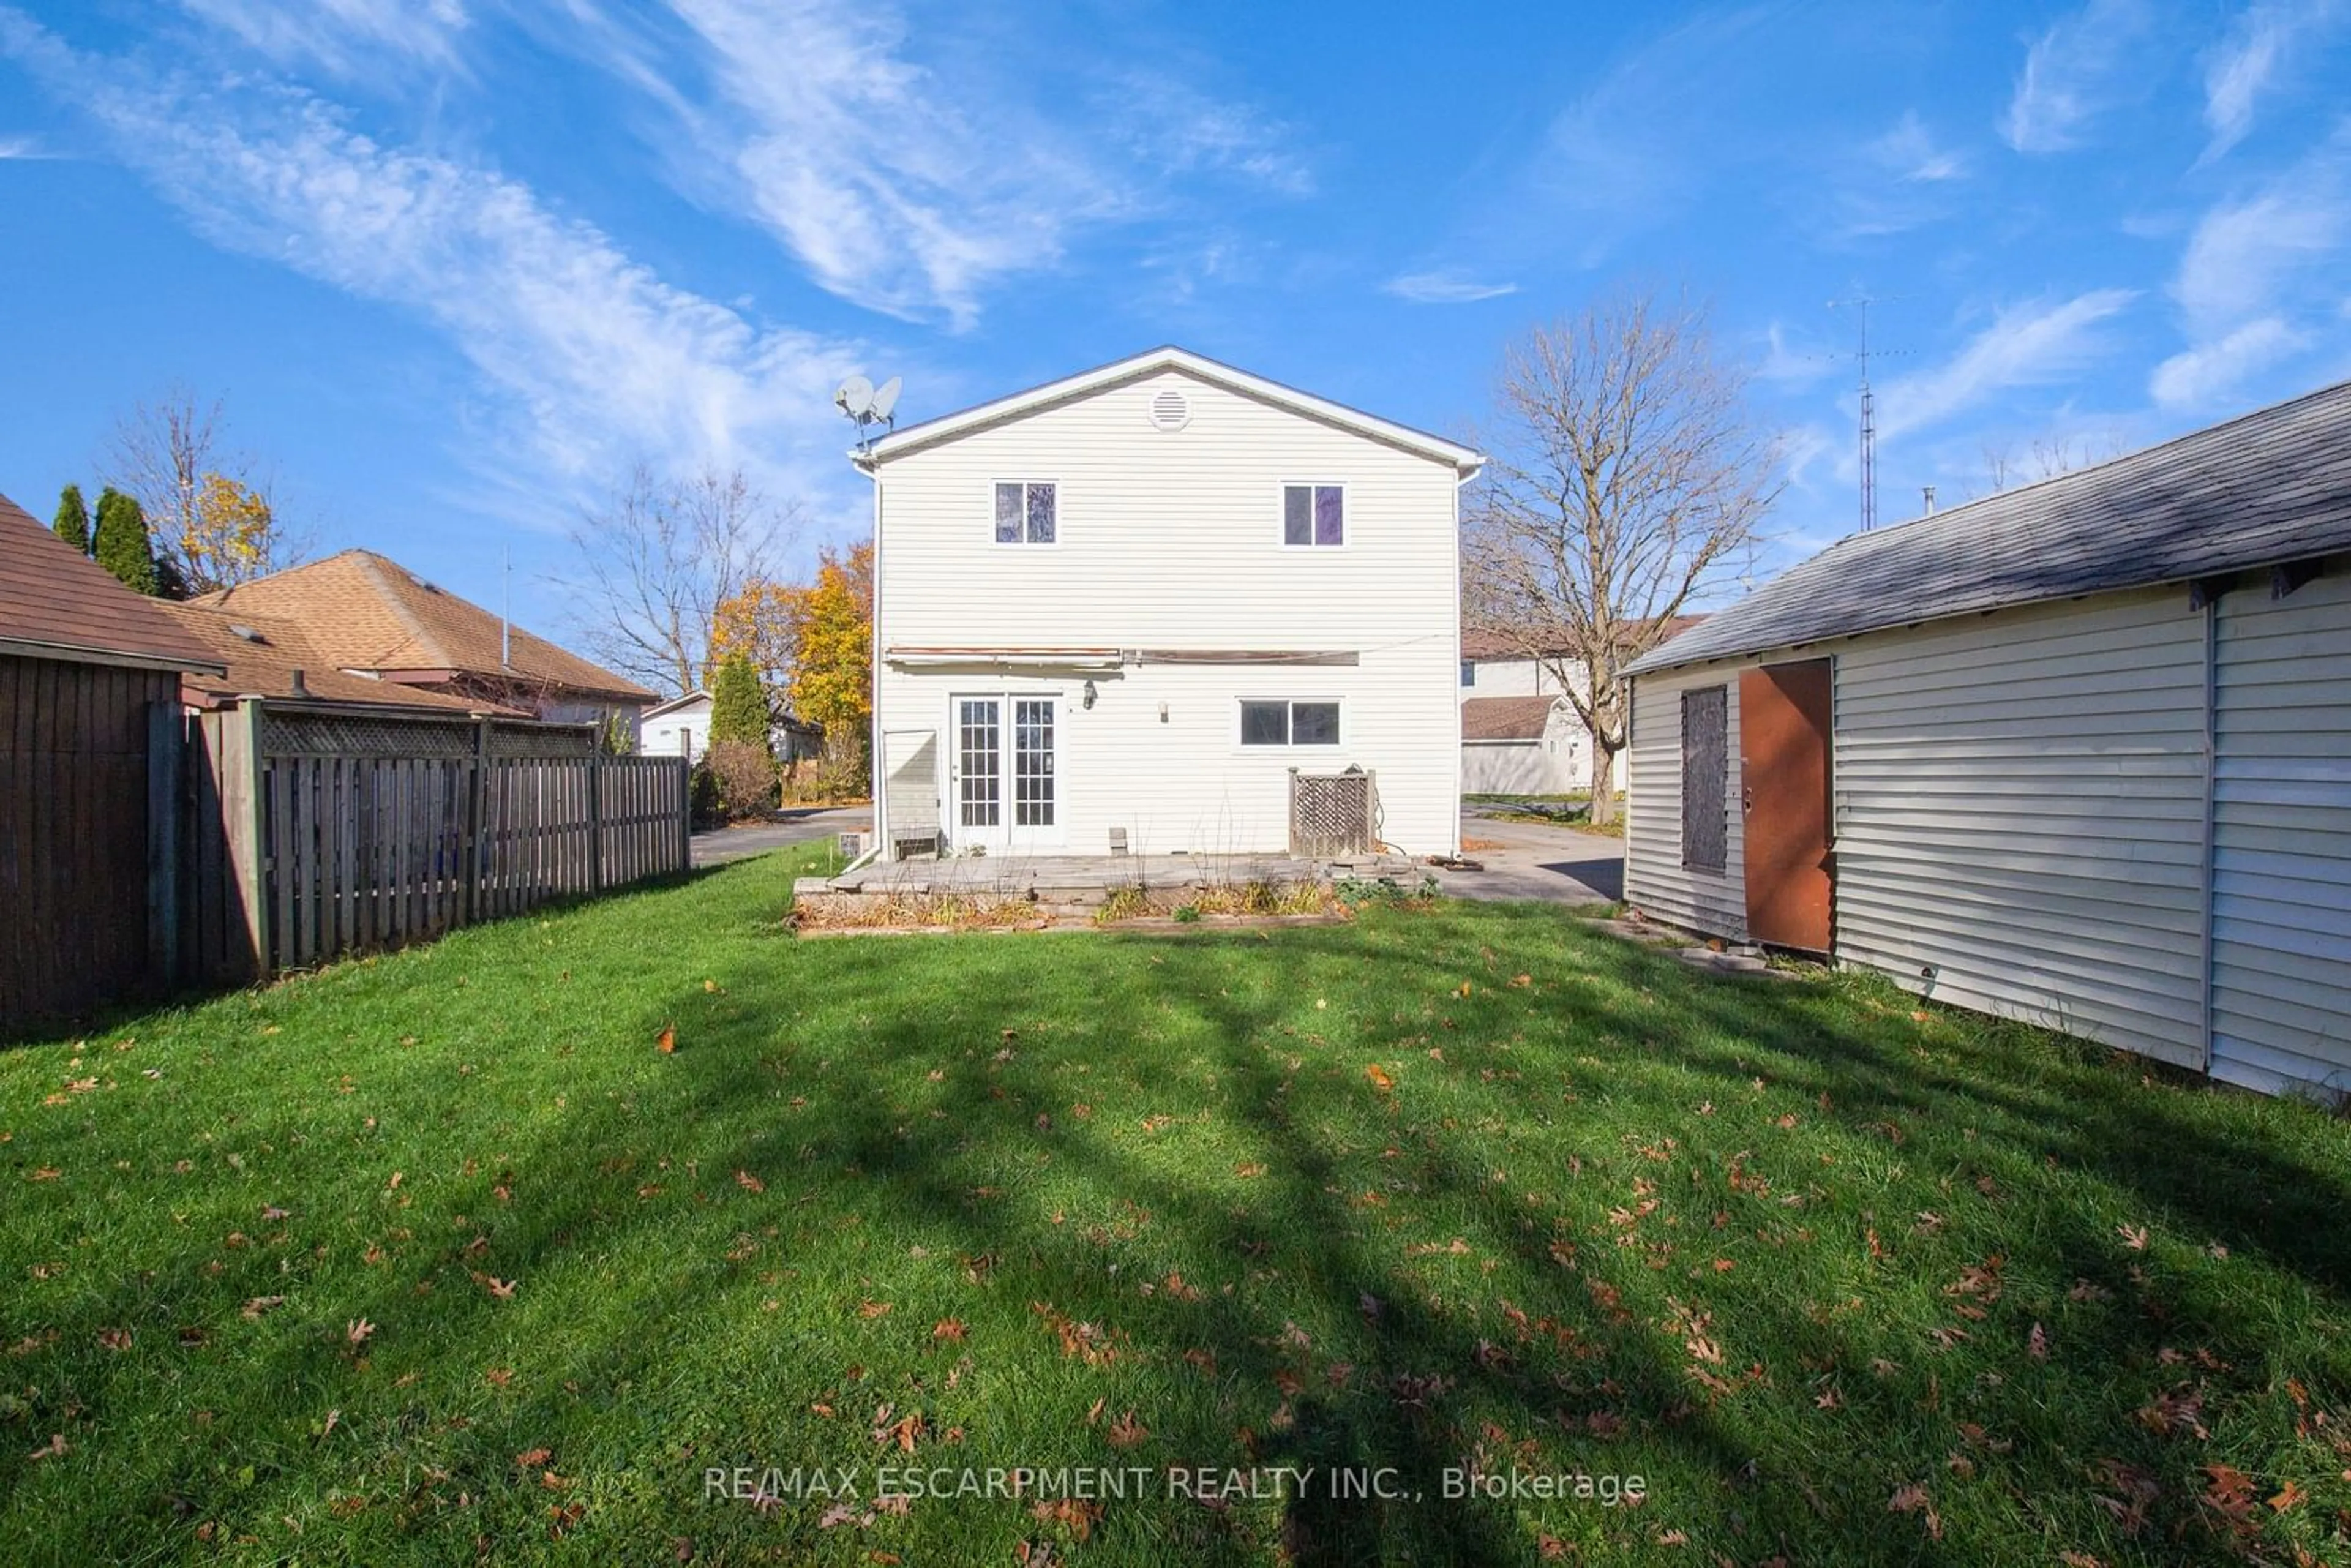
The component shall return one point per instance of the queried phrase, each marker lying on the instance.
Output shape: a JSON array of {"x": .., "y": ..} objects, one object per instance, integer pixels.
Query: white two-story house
[{"x": 1121, "y": 610}]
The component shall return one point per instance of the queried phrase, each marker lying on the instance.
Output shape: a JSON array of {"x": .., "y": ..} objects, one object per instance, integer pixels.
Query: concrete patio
[{"x": 1080, "y": 884}]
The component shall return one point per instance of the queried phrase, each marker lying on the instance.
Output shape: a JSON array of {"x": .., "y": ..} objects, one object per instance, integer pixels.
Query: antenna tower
[{"x": 1860, "y": 303}]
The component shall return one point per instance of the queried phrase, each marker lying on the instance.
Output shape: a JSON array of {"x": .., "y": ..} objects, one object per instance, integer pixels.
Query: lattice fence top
[
  {"x": 297, "y": 734},
  {"x": 542, "y": 739},
  {"x": 351, "y": 735},
  {"x": 1331, "y": 813}
]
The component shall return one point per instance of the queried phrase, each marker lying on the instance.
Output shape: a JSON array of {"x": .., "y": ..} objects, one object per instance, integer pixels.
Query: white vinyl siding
[
  {"x": 2282, "y": 839},
  {"x": 1655, "y": 881},
  {"x": 1172, "y": 539},
  {"x": 2020, "y": 809}
]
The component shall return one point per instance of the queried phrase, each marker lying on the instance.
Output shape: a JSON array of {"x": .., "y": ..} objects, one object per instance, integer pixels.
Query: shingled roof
[
  {"x": 1505, "y": 718},
  {"x": 57, "y": 603},
  {"x": 360, "y": 610},
  {"x": 2268, "y": 488},
  {"x": 262, "y": 654}
]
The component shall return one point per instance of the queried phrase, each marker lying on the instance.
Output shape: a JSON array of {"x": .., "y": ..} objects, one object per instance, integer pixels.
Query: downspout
[
  {"x": 2205, "y": 869},
  {"x": 875, "y": 783}
]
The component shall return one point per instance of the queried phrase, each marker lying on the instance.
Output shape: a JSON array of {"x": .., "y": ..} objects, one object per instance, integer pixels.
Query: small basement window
[
  {"x": 1705, "y": 778},
  {"x": 1469, "y": 672},
  {"x": 1025, "y": 512},
  {"x": 1285, "y": 723},
  {"x": 1313, "y": 515}
]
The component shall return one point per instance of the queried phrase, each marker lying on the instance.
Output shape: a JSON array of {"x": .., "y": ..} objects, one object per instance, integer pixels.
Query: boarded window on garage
[{"x": 1705, "y": 714}]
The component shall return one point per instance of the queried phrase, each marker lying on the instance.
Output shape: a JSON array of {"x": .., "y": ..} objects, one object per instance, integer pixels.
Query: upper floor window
[
  {"x": 1313, "y": 515},
  {"x": 1024, "y": 512}
]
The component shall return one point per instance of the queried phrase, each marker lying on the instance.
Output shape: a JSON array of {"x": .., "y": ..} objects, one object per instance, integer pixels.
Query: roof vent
[
  {"x": 247, "y": 633},
  {"x": 1170, "y": 410}
]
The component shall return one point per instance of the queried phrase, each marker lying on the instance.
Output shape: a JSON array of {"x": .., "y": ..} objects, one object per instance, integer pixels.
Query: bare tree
[
  {"x": 209, "y": 507},
  {"x": 656, "y": 560},
  {"x": 2047, "y": 456},
  {"x": 1626, "y": 476}
]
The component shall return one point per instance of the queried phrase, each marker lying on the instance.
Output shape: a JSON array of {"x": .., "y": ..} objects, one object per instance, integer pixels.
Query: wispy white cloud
[
  {"x": 2029, "y": 344},
  {"x": 1173, "y": 127},
  {"x": 343, "y": 36},
  {"x": 1637, "y": 146},
  {"x": 2253, "y": 270},
  {"x": 24, "y": 148},
  {"x": 1798, "y": 362},
  {"x": 2072, "y": 73},
  {"x": 596, "y": 359},
  {"x": 914, "y": 187},
  {"x": 2199, "y": 375},
  {"x": 1909, "y": 152},
  {"x": 1444, "y": 288},
  {"x": 2249, "y": 61}
]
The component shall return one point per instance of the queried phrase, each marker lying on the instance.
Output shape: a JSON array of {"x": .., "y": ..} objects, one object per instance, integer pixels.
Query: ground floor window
[{"x": 1284, "y": 722}]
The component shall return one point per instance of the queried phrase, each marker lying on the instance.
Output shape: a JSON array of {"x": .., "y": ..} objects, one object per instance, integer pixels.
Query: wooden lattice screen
[{"x": 1334, "y": 813}]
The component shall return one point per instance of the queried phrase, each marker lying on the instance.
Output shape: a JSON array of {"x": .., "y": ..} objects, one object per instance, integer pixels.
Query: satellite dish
[{"x": 865, "y": 406}]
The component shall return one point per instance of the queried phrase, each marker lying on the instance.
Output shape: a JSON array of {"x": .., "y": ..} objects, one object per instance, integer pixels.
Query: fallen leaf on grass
[
  {"x": 46, "y": 1173},
  {"x": 532, "y": 1458},
  {"x": 666, "y": 1041},
  {"x": 1126, "y": 1432},
  {"x": 1912, "y": 1500},
  {"x": 1380, "y": 1078},
  {"x": 748, "y": 1182},
  {"x": 2036, "y": 1343},
  {"x": 253, "y": 1307},
  {"x": 2134, "y": 1236},
  {"x": 358, "y": 1332},
  {"x": 948, "y": 1329},
  {"x": 874, "y": 1310},
  {"x": 56, "y": 1448}
]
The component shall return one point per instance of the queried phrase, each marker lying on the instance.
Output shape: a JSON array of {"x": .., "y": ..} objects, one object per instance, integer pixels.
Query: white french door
[{"x": 1001, "y": 769}]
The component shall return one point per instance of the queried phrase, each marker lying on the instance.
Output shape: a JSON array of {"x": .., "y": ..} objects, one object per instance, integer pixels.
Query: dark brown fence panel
[
  {"x": 76, "y": 926},
  {"x": 312, "y": 833}
]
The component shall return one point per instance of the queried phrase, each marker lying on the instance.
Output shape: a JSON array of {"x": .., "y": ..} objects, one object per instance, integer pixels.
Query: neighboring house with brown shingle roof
[
  {"x": 364, "y": 616},
  {"x": 268, "y": 656}
]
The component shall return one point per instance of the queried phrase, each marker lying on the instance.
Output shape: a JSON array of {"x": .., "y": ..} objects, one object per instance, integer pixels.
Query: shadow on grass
[{"x": 1317, "y": 1328}]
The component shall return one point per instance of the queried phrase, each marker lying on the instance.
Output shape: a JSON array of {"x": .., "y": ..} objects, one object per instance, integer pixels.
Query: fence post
[
  {"x": 244, "y": 808},
  {"x": 476, "y": 790},
  {"x": 596, "y": 820},
  {"x": 166, "y": 732},
  {"x": 684, "y": 814}
]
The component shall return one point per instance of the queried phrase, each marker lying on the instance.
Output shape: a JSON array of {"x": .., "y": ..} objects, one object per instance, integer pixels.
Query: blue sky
[{"x": 456, "y": 264}]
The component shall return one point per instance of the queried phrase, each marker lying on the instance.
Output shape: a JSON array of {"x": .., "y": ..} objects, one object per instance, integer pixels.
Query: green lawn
[{"x": 436, "y": 1256}]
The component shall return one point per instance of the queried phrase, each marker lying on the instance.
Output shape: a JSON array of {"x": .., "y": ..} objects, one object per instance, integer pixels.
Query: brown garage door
[{"x": 1783, "y": 768}]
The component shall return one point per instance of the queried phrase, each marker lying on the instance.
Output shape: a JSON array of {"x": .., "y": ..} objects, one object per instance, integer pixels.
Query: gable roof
[
  {"x": 673, "y": 705},
  {"x": 1506, "y": 718},
  {"x": 1085, "y": 383},
  {"x": 57, "y": 603},
  {"x": 2265, "y": 489},
  {"x": 360, "y": 610},
  {"x": 264, "y": 664}
]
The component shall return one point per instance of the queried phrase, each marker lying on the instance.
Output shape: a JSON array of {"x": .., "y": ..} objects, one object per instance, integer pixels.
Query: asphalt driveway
[
  {"x": 1536, "y": 860},
  {"x": 720, "y": 845}
]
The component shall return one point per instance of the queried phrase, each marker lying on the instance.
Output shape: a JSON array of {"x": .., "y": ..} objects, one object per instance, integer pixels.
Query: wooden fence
[
  {"x": 76, "y": 925},
  {"x": 315, "y": 831}
]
